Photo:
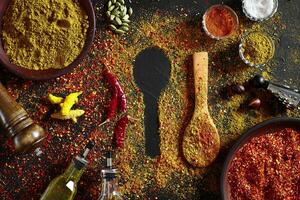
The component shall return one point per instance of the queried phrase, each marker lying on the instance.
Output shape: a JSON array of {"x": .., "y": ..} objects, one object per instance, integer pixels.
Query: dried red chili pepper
[
  {"x": 119, "y": 131},
  {"x": 112, "y": 109},
  {"x": 113, "y": 81}
]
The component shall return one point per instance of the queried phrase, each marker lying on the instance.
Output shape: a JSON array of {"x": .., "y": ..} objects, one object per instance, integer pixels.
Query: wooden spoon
[{"x": 201, "y": 141}]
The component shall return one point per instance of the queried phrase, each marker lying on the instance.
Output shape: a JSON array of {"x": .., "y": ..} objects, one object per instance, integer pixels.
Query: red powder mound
[
  {"x": 267, "y": 168},
  {"x": 220, "y": 21}
]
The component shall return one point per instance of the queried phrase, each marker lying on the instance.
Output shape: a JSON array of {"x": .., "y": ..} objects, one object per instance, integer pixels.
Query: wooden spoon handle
[{"x": 200, "y": 64}]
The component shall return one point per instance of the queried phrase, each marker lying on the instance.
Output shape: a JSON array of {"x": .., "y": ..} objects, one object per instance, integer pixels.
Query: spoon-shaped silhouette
[{"x": 151, "y": 72}]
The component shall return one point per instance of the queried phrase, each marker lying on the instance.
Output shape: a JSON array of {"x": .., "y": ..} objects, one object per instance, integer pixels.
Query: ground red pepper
[
  {"x": 220, "y": 21},
  {"x": 267, "y": 167}
]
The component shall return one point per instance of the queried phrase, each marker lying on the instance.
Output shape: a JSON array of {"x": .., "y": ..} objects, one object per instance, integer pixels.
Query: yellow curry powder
[
  {"x": 44, "y": 34},
  {"x": 258, "y": 48}
]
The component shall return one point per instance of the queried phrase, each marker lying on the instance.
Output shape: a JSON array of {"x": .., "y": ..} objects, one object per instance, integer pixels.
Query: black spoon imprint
[{"x": 151, "y": 71}]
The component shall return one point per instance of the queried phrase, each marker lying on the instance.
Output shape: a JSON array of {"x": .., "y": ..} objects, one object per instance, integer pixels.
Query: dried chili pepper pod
[
  {"x": 113, "y": 81},
  {"x": 122, "y": 99},
  {"x": 112, "y": 108},
  {"x": 119, "y": 131}
]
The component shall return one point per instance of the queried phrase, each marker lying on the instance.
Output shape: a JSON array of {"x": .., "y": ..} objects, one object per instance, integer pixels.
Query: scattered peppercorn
[
  {"x": 255, "y": 103},
  {"x": 238, "y": 89}
]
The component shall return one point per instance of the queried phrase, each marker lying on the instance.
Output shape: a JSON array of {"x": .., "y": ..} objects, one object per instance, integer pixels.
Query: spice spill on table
[{"x": 141, "y": 177}]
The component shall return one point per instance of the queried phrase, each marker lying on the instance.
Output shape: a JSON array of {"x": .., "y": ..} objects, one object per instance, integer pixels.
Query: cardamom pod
[
  {"x": 124, "y": 28},
  {"x": 111, "y": 8},
  {"x": 126, "y": 17},
  {"x": 109, "y": 4},
  {"x": 108, "y": 14},
  {"x": 122, "y": 1},
  {"x": 118, "y": 20},
  {"x": 119, "y": 31},
  {"x": 112, "y": 17},
  {"x": 130, "y": 11},
  {"x": 112, "y": 27},
  {"x": 126, "y": 20}
]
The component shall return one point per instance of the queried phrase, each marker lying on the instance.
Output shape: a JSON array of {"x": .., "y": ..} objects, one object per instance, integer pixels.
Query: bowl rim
[
  {"x": 54, "y": 73},
  {"x": 248, "y": 134}
]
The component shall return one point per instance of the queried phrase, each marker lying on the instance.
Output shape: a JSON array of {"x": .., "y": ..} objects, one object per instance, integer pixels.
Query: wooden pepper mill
[{"x": 18, "y": 125}]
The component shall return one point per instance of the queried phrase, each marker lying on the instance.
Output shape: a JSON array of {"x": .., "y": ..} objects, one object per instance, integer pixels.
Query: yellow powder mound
[{"x": 44, "y": 34}]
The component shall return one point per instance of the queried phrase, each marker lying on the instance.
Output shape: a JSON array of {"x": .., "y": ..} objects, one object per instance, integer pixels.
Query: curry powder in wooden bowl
[{"x": 45, "y": 39}]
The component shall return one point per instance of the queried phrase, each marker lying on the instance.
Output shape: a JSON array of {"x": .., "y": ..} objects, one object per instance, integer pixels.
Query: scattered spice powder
[
  {"x": 220, "y": 21},
  {"x": 141, "y": 177},
  {"x": 267, "y": 167},
  {"x": 44, "y": 34}
]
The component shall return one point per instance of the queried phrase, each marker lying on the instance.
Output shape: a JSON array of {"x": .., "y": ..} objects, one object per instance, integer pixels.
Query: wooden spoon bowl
[{"x": 49, "y": 73}]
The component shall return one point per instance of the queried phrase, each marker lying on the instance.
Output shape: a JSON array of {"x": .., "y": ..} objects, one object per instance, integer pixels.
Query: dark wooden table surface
[{"x": 285, "y": 69}]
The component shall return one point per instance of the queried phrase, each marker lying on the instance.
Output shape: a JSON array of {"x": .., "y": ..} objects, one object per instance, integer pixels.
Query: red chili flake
[
  {"x": 267, "y": 167},
  {"x": 119, "y": 131}
]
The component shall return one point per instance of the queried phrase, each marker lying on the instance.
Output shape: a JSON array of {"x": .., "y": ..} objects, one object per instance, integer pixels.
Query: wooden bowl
[
  {"x": 49, "y": 73},
  {"x": 262, "y": 128}
]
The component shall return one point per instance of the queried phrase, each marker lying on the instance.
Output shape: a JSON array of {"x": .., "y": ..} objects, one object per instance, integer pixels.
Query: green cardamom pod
[
  {"x": 126, "y": 20},
  {"x": 125, "y": 24},
  {"x": 118, "y": 4},
  {"x": 111, "y": 8},
  {"x": 118, "y": 20},
  {"x": 130, "y": 11},
  {"x": 122, "y": 1},
  {"x": 112, "y": 17},
  {"x": 119, "y": 31},
  {"x": 126, "y": 17},
  {"x": 109, "y": 4},
  {"x": 112, "y": 27},
  {"x": 124, "y": 28},
  {"x": 108, "y": 14}
]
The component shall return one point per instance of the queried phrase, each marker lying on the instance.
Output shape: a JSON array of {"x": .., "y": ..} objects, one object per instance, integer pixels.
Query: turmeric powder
[{"x": 44, "y": 34}]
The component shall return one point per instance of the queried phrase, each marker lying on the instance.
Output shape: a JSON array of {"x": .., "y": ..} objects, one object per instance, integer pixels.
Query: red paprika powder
[
  {"x": 220, "y": 21},
  {"x": 267, "y": 167}
]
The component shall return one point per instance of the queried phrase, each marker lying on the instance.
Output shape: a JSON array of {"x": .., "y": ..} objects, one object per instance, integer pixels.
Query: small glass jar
[
  {"x": 234, "y": 17},
  {"x": 254, "y": 18},
  {"x": 242, "y": 49}
]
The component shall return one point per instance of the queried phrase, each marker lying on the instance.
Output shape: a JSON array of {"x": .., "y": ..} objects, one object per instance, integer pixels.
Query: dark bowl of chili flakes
[{"x": 264, "y": 164}]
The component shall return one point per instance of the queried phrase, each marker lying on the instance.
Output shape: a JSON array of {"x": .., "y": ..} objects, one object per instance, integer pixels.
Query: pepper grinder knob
[{"x": 18, "y": 125}]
